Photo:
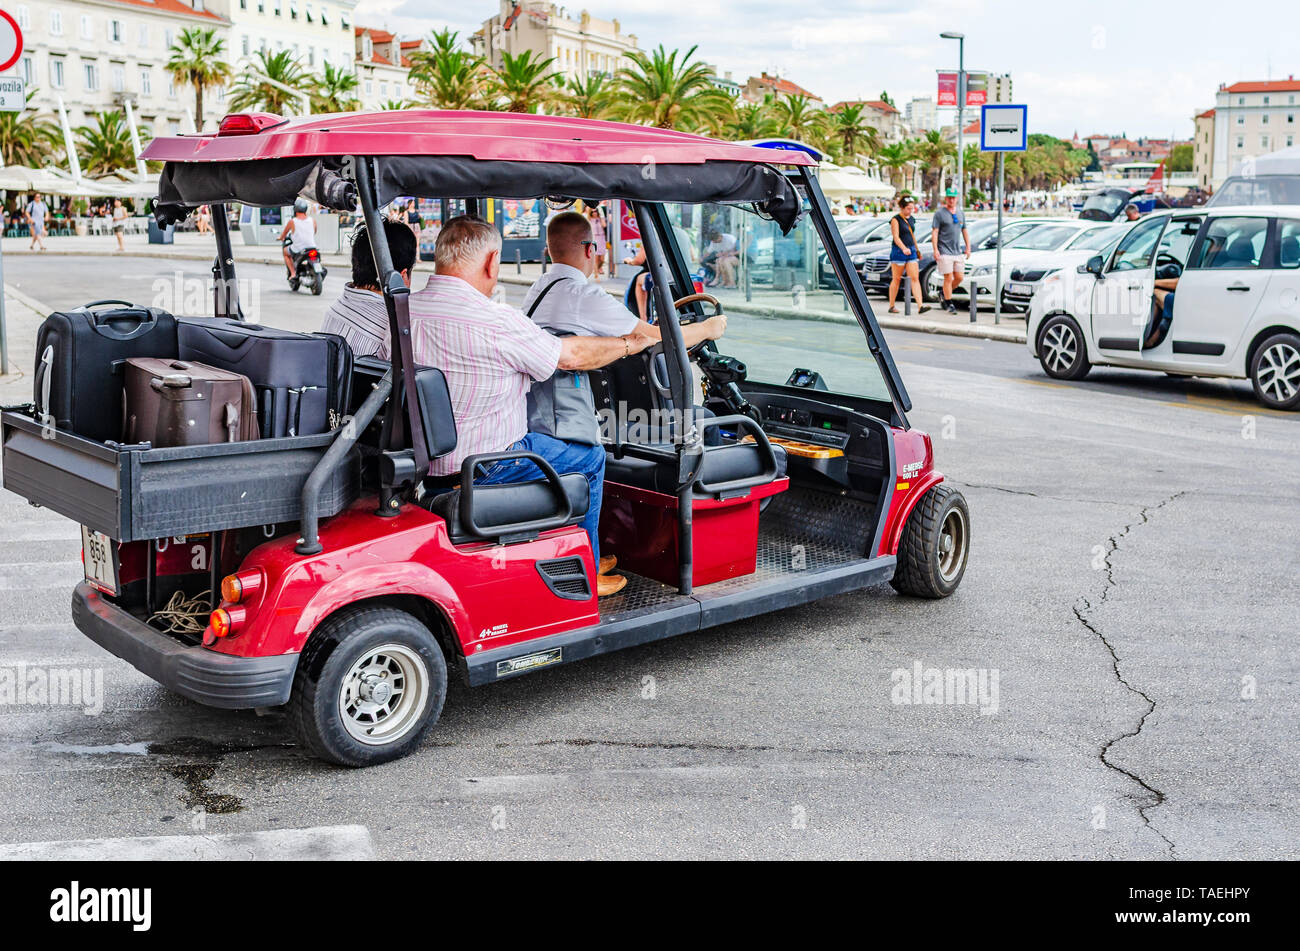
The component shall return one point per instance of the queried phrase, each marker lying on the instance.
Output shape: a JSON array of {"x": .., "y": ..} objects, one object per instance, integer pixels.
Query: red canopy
[{"x": 484, "y": 136}]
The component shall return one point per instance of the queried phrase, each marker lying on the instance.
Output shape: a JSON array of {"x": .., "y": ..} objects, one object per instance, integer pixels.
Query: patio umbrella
[{"x": 840, "y": 182}]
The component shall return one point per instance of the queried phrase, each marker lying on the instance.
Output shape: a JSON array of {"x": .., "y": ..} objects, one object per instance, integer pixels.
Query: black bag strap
[{"x": 532, "y": 308}]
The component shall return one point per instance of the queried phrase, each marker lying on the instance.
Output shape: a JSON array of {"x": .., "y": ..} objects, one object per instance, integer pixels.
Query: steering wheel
[{"x": 698, "y": 299}]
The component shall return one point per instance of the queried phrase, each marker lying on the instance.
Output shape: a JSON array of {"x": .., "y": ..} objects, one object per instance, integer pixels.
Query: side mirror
[{"x": 1096, "y": 264}]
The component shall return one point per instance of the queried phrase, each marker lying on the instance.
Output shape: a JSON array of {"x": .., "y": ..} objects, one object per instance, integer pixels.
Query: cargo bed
[{"x": 134, "y": 493}]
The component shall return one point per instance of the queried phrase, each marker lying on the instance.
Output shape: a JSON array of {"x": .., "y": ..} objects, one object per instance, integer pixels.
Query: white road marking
[{"x": 322, "y": 843}]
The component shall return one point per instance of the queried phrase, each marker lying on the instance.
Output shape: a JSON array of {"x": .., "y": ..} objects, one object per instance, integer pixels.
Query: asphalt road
[{"x": 1133, "y": 585}]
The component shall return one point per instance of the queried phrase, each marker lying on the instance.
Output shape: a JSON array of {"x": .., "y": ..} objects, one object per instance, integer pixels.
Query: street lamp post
[{"x": 961, "y": 114}]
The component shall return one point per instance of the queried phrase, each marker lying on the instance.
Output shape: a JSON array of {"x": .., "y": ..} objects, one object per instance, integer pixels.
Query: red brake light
[
  {"x": 313, "y": 254},
  {"x": 219, "y": 622},
  {"x": 247, "y": 123}
]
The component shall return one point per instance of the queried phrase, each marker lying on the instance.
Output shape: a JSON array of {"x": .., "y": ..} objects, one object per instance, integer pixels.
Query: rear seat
[{"x": 507, "y": 504}]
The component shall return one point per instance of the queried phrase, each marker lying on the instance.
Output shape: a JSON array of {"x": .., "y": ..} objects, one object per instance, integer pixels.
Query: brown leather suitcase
[{"x": 182, "y": 403}]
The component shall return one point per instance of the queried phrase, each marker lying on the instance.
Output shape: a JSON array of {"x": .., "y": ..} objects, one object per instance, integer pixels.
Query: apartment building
[
  {"x": 383, "y": 67},
  {"x": 922, "y": 114},
  {"x": 579, "y": 46},
  {"x": 95, "y": 54},
  {"x": 1203, "y": 149},
  {"x": 756, "y": 88},
  {"x": 886, "y": 118},
  {"x": 1252, "y": 119},
  {"x": 315, "y": 31}
]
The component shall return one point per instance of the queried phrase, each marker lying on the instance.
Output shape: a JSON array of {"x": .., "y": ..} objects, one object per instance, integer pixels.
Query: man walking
[
  {"x": 37, "y": 212},
  {"x": 951, "y": 243}
]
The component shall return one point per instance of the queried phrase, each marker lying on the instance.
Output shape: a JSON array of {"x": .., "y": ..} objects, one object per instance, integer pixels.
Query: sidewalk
[
  {"x": 198, "y": 247},
  {"x": 23, "y": 317}
]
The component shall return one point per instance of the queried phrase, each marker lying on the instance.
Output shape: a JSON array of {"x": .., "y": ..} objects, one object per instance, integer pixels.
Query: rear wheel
[
  {"x": 935, "y": 545},
  {"x": 1275, "y": 371},
  {"x": 932, "y": 284},
  {"x": 317, "y": 285},
  {"x": 370, "y": 683},
  {"x": 1061, "y": 350}
]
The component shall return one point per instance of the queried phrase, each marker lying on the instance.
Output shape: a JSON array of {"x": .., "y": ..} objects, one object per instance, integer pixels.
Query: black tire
[
  {"x": 929, "y": 567},
  {"x": 317, "y": 285},
  {"x": 327, "y": 681},
  {"x": 293, "y": 284},
  {"x": 1062, "y": 352},
  {"x": 927, "y": 292},
  {"x": 1275, "y": 371}
]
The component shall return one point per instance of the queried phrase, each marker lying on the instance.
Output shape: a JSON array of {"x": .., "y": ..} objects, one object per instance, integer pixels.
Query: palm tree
[
  {"x": 255, "y": 92},
  {"x": 852, "y": 134},
  {"x": 521, "y": 83},
  {"x": 894, "y": 158},
  {"x": 932, "y": 151},
  {"x": 393, "y": 105},
  {"x": 447, "y": 74},
  {"x": 752, "y": 120},
  {"x": 332, "y": 88},
  {"x": 198, "y": 59},
  {"x": 797, "y": 118},
  {"x": 659, "y": 91},
  {"x": 27, "y": 139},
  {"x": 589, "y": 97},
  {"x": 105, "y": 146}
]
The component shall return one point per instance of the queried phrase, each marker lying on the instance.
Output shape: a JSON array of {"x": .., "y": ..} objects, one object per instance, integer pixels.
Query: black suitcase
[
  {"x": 303, "y": 381},
  {"x": 79, "y": 358}
]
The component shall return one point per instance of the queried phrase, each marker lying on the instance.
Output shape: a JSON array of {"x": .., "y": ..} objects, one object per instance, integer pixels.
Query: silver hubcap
[
  {"x": 952, "y": 544},
  {"x": 383, "y": 695},
  {"x": 1278, "y": 372},
  {"x": 1060, "y": 348},
  {"x": 934, "y": 283}
]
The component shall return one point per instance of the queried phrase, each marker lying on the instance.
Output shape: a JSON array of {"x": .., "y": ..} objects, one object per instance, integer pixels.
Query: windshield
[
  {"x": 785, "y": 307},
  {"x": 1095, "y": 239},
  {"x": 858, "y": 230},
  {"x": 1259, "y": 190},
  {"x": 1047, "y": 238},
  {"x": 1109, "y": 202}
]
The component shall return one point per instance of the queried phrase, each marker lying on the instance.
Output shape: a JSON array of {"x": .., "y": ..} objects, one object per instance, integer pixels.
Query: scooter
[{"x": 307, "y": 269}]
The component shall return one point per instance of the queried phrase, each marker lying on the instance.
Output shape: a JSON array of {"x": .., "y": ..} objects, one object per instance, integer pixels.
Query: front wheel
[
  {"x": 1275, "y": 371},
  {"x": 370, "y": 683},
  {"x": 935, "y": 545},
  {"x": 1061, "y": 349}
]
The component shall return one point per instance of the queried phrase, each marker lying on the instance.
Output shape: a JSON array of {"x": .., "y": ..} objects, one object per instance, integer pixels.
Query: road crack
[{"x": 1083, "y": 611}]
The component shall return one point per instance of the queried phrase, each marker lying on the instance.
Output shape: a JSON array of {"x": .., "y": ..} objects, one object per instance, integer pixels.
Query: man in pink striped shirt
[{"x": 491, "y": 354}]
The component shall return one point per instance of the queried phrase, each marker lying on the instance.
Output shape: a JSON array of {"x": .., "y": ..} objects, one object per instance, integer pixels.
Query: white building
[
  {"x": 1251, "y": 119},
  {"x": 579, "y": 47},
  {"x": 383, "y": 68},
  {"x": 95, "y": 54},
  {"x": 922, "y": 114},
  {"x": 315, "y": 31}
]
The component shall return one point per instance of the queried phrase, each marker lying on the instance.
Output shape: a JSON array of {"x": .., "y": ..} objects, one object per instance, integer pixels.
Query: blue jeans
[{"x": 588, "y": 461}]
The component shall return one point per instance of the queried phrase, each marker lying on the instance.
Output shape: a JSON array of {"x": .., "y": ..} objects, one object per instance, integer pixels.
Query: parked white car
[
  {"x": 1025, "y": 278},
  {"x": 1047, "y": 238},
  {"x": 1234, "y": 311}
]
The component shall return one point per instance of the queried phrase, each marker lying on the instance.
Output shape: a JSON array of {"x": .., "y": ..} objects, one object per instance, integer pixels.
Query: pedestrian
[
  {"x": 119, "y": 222},
  {"x": 413, "y": 218},
  {"x": 904, "y": 256},
  {"x": 597, "y": 219},
  {"x": 1131, "y": 212},
  {"x": 37, "y": 212},
  {"x": 204, "y": 219},
  {"x": 951, "y": 243}
]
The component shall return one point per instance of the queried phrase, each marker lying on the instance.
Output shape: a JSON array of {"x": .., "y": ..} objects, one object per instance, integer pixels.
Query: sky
[{"x": 1138, "y": 68}]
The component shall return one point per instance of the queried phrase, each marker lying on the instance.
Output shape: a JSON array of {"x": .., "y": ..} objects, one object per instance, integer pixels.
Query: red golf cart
[{"x": 772, "y": 468}]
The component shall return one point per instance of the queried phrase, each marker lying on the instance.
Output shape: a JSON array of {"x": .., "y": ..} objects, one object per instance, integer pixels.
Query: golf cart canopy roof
[{"x": 263, "y": 159}]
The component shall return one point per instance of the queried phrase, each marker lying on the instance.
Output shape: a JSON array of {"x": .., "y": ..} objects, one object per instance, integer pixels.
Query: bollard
[
  {"x": 974, "y": 299},
  {"x": 907, "y": 294},
  {"x": 519, "y": 261}
]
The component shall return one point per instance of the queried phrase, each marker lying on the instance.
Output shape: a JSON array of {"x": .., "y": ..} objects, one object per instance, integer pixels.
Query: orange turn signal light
[{"x": 232, "y": 589}]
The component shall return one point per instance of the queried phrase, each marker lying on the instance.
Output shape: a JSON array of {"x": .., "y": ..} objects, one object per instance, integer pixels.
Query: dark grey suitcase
[{"x": 303, "y": 381}]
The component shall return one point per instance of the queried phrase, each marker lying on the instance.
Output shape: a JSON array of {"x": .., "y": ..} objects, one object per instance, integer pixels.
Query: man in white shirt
[
  {"x": 580, "y": 306},
  {"x": 302, "y": 228},
  {"x": 359, "y": 316},
  {"x": 723, "y": 254}
]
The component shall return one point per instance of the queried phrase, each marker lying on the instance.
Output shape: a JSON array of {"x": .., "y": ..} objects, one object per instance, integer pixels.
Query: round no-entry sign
[{"x": 11, "y": 41}]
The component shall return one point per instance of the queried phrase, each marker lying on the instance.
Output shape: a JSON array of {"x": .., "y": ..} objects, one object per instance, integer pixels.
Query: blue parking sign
[{"x": 1004, "y": 127}]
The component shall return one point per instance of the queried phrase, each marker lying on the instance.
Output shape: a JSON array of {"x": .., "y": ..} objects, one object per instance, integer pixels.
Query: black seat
[
  {"x": 727, "y": 463},
  {"x": 506, "y": 505}
]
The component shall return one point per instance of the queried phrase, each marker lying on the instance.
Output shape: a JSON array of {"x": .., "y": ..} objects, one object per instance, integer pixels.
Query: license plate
[
  {"x": 100, "y": 555},
  {"x": 1024, "y": 290}
]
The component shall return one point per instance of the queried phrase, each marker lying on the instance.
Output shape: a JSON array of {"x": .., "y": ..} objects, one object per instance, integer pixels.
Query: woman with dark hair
[{"x": 904, "y": 255}]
